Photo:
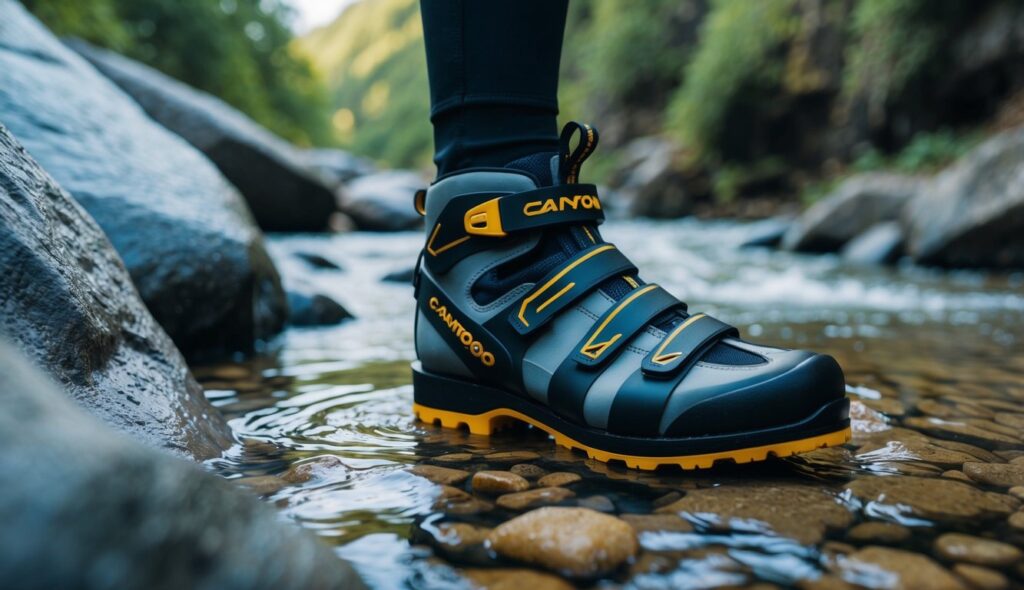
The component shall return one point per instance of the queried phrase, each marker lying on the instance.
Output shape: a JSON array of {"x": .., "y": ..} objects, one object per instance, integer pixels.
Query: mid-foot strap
[
  {"x": 532, "y": 210},
  {"x": 620, "y": 323},
  {"x": 684, "y": 345},
  {"x": 567, "y": 284}
]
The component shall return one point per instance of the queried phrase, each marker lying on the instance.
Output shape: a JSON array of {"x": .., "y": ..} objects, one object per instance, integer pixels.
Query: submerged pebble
[
  {"x": 970, "y": 549},
  {"x": 558, "y": 479},
  {"x": 575, "y": 542},
  {"x": 533, "y": 498},
  {"x": 1003, "y": 475},
  {"x": 498, "y": 482}
]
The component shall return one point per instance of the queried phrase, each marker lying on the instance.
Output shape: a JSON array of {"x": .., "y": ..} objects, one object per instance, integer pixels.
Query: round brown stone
[
  {"x": 533, "y": 498},
  {"x": 498, "y": 482},
  {"x": 900, "y": 570},
  {"x": 440, "y": 475},
  {"x": 575, "y": 542},
  {"x": 514, "y": 579},
  {"x": 981, "y": 578},
  {"x": 879, "y": 532},
  {"x": 799, "y": 512},
  {"x": 969, "y": 549},
  {"x": 528, "y": 470},
  {"x": 558, "y": 479},
  {"x": 932, "y": 498},
  {"x": 1003, "y": 475},
  {"x": 317, "y": 468}
]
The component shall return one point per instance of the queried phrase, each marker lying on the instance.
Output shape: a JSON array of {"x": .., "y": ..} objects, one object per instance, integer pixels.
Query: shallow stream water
[{"x": 934, "y": 364}]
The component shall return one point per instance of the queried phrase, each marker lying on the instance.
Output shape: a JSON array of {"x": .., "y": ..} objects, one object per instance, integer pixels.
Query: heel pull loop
[{"x": 571, "y": 160}]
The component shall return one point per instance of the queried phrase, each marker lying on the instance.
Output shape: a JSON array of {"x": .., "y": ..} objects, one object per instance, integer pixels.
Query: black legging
[{"x": 493, "y": 68}]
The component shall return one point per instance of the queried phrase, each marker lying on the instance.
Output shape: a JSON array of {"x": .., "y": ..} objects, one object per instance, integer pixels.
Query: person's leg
[{"x": 493, "y": 68}]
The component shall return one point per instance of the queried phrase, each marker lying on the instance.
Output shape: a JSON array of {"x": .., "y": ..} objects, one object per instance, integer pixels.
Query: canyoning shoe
[{"x": 524, "y": 313}]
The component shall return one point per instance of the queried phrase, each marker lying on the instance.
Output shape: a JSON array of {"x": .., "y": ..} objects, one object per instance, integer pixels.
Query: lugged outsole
[{"x": 489, "y": 422}]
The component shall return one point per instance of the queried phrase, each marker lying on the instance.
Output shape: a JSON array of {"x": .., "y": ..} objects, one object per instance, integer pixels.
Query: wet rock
[
  {"x": 970, "y": 429},
  {"x": 316, "y": 468},
  {"x": 458, "y": 502},
  {"x": 799, "y": 512},
  {"x": 881, "y": 243},
  {"x": 654, "y": 523},
  {"x": 1010, "y": 419},
  {"x": 528, "y": 470},
  {"x": 957, "y": 475},
  {"x": 68, "y": 302},
  {"x": 575, "y": 542},
  {"x": 283, "y": 192},
  {"x": 440, "y": 475},
  {"x": 767, "y": 233},
  {"x": 889, "y": 407},
  {"x": 652, "y": 183},
  {"x": 454, "y": 458},
  {"x": 878, "y": 532},
  {"x": 459, "y": 541},
  {"x": 598, "y": 503},
  {"x": 498, "y": 482},
  {"x": 896, "y": 569},
  {"x": 1002, "y": 475},
  {"x": 859, "y": 203},
  {"x": 913, "y": 449},
  {"x": 972, "y": 214},
  {"x": 533, "y": 498},
  {"x": 83, "y": 506},
  {"x": 336, "y": 167},
  {"x": 317, "y": 261},
  {"x": 181, "y": 229},
  {"x": 666, "y": 499},
  {"x": 1016, "y": 520},
  {"x": 959, "y": 547},
  {"x": 558, "y": 479},
  {"x": 307, "y": 308},
  {"x": 383, "y": 201},
  {"x": 261, "y": 485},
  {"x": 933, "y": 499},
  {"x": 512, "y": 456},
  {"x": 404, "y": 275},
  {"x": 1017, "y": 492},
  {"x": 514, "y": 579},
  {"x": 981, "y": 578}
]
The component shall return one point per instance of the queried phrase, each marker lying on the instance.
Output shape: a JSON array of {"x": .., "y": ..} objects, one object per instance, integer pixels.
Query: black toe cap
[{"x": 778, "y": 400}]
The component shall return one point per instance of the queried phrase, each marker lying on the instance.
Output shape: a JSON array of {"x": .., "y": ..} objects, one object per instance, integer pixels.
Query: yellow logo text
[
  {"x": 561, "y": 204},
  {"x": 464, "y": 336}
]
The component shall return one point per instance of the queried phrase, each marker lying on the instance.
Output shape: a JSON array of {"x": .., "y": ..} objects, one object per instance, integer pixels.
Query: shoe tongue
[{"x": 537, "y": 165}]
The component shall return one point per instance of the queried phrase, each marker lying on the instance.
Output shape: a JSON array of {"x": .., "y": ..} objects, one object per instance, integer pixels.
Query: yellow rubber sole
[{"x": 490, "y": 422}]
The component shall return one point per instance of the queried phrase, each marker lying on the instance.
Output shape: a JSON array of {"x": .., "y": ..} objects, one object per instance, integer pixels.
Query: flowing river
[{"x": 934, "y": 364}]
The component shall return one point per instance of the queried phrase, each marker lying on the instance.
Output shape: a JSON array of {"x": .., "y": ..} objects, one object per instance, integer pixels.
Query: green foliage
[
  {"x": 896, "y": 43},
  {"x": 373, "y": 60},
  {"x": 927, "y": 152},
  {"x": 235, "y": 49},
  {"x": 618, "y": 56},
  {"x": 737, "y": 57}
]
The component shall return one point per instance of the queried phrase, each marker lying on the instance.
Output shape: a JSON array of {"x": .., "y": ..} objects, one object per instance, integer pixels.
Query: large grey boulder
[
  {"x": 283, "y": 193},
  {"x": 859, "y": 203},
  {"x": 85, "y": 508},
  {"x": 652, "y": 183},
  {"x": 182, "y": 230},
  {"x": 336, "y": 167},
  {"x": 972, "y": 214},
  {"x": 68, "y": 302},
  {"x": 882, "y": 243},
  {"x": 383, "y": 201}
]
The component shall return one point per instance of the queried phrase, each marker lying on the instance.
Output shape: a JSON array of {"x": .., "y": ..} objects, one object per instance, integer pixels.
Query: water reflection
[{"x": 934, "y": 366}]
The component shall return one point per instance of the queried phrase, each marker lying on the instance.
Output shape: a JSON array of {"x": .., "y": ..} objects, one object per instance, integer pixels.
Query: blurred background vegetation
[{"x": 778, "y": 97}]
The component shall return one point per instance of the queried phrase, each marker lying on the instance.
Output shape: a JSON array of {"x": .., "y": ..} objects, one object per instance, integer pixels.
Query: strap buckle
[{"x": 485, "y": 219}]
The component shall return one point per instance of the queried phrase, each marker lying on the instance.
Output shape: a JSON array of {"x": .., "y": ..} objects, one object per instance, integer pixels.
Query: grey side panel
[
  {"x": 434, "y": 353},
  {"x": 558, "y": 340},
  {"x": 443, "y": 191},
  {"x": 598, "y": 403}
]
